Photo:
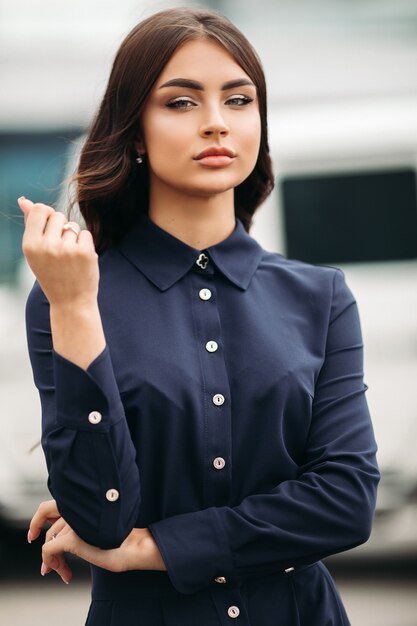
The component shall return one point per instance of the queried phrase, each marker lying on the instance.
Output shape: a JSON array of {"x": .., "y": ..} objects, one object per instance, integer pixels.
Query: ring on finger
[{"x": 73, "y": 226}]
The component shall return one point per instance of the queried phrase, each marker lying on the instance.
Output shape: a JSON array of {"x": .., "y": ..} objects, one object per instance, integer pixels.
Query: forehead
[{"x": 202, "y": 59}]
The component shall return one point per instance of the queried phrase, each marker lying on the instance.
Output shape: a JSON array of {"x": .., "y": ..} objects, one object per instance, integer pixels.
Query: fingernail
[
  {"x": 29, "y": 537},
  {"x": 43, "y": 569}
]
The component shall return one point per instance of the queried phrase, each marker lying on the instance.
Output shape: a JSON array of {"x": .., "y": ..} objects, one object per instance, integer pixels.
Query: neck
[{"x": 198, "y": 221}]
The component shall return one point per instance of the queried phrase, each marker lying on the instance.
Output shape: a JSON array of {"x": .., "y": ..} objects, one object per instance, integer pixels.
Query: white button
[
  {"x": 211, "y": 346},
  {"x": 220, "y": 579},
  {"x": 205, "y": 294},
  {"x": 288, "y": 570},
  {"x": 218, "y": 399},
  {"x": 94, "y": 417},
  {"x": 202, "y": 261},
  {"x": 219, "y": 463},
  {"x": 233, "y": 611},
  {"x": 112, "y": 495}
]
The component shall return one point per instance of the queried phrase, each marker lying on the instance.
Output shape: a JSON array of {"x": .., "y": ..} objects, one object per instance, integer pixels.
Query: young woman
[{"x": 205, "y": 425}]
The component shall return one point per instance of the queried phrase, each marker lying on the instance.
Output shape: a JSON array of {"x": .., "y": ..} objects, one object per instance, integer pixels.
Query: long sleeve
[
  {"x": 91, "y": 460},
  {"x": 328, "y": 508}
]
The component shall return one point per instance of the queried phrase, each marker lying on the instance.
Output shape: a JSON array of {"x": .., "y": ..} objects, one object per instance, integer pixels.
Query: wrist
[
  {"x": 75, "y": 308},
  {"x": 77, "y": 332},
  {"x": 153, "y": 555}
]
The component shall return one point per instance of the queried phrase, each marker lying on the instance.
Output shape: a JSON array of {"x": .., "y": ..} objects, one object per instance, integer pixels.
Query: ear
[{"x": 139, "y": 145}]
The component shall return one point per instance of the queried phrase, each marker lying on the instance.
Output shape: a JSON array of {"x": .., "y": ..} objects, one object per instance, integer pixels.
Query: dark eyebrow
[
  {"x": 193, "y": 84},
  {"x": 240, "y": 82}
]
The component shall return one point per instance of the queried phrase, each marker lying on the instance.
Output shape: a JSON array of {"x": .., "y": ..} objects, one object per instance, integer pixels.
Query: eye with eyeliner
[
  {"x": 241, "y": 98},
  {"x": 187, "y": 103},
  {"x": 178, "y": 103}
]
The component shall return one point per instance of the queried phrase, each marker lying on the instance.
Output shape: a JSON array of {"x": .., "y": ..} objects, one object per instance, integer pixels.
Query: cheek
[
  {"x": 249, "y": 141},
  {"x": 165, "y": 136},
  {"x": 251, "y": 136}
]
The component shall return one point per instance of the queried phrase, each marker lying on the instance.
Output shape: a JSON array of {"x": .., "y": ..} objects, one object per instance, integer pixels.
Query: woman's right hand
[{"x": 65, "y": 265}]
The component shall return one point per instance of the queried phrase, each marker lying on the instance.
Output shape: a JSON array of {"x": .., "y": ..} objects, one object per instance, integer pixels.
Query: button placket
[{"x": 215, "y": 388}]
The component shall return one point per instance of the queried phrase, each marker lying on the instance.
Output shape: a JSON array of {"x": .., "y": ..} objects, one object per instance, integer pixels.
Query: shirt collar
[{"x": 164, "y": 259}]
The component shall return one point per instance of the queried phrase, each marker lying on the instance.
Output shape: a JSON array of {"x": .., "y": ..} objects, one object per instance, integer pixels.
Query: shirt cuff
[
  {"x": 194, "y": 548},
  {"x": 87, "y": 399}
]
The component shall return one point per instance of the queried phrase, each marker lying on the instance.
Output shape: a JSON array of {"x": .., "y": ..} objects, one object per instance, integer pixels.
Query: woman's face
[{"x": 202, "y": 100}]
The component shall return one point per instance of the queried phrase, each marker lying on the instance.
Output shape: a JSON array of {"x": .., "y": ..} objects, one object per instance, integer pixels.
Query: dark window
[
  {"x": 352, "y": 217},
  {"x": 31, "y": 165}
]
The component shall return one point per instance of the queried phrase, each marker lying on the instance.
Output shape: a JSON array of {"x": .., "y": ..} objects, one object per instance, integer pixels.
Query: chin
[
  {"x": 219, "y": 184},
  {"x": 207, "y": 192}
]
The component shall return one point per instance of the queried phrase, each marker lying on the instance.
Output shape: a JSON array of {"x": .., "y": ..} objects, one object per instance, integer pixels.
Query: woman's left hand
[{"x": 138, "y": 551}]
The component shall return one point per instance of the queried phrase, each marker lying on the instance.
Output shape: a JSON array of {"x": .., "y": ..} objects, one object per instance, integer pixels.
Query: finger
[
  {"x": 53, "y": 226},
  {"x": 53, "y": 556},
  {"x": 70, "y": 232},
  {"x": 69, "y": 541},
  {"x": 55, "y": 529},
  {"x": 36, "y": 221},
  {"x": 46, "y": 511},
  {"x": 60, "y": 566},
  {"x": 86, "y": 241},
  {"x": 25, "y": 206}
]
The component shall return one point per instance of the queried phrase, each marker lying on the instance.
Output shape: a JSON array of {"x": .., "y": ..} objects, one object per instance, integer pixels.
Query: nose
[{"x": 214, "y": 124}]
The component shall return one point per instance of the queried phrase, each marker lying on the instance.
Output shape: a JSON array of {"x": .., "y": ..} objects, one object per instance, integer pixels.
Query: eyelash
[{"x": 177, "y": 102}]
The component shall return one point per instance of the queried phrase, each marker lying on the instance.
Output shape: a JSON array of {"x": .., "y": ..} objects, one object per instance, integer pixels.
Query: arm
[
  {"x": 328, "y": 509},
  {"x": 90, "y": 456},
  {"x": 138, "y": 550}
]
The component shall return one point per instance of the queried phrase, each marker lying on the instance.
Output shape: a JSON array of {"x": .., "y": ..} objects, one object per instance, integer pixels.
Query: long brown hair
[{"x": 110, "y": 188}]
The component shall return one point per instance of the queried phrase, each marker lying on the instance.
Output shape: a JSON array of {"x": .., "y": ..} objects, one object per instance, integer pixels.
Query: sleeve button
[
  {"x": 220, "y": 579},
  {"x": 95, "y": 417},
  {"x": 112, "y": 495}
]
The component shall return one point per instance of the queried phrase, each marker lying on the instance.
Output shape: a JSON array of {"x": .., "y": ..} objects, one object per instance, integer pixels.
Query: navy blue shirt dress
[{"x": 227, "y": 414}]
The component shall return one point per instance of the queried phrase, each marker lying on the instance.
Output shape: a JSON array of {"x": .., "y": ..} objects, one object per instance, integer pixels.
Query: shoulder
[
  {"x": 320, "y": 284},
  {"x": 112, "y": 264},
  {"x": 298, "y": 272}
]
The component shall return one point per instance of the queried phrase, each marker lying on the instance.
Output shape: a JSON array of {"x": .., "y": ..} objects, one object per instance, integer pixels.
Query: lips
[{"x": 215, "y": 152}]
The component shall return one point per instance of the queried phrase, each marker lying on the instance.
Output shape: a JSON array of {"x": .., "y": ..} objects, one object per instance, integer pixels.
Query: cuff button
[
  {"x": 112, "y": 495},
  {"x": 220, "y": 579},
  {"x": 95, "y": 417}
]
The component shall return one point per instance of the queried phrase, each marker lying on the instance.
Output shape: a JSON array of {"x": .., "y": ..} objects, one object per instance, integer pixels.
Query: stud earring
[{"x": 139, "y": 159}]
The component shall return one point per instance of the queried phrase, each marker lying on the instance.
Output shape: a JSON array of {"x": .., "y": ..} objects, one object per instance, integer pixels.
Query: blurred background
[{"x": 342, "y": 83}]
